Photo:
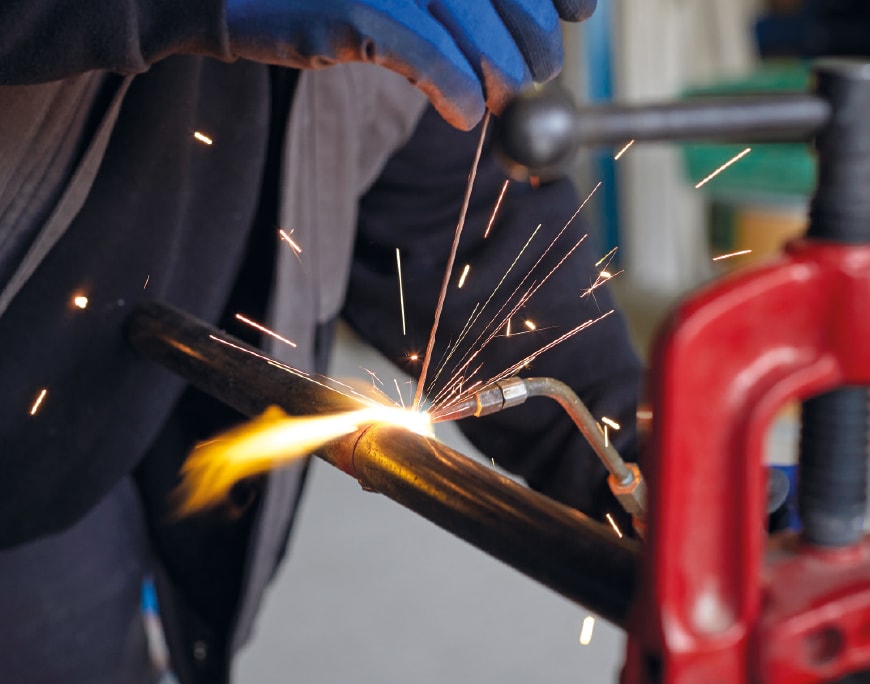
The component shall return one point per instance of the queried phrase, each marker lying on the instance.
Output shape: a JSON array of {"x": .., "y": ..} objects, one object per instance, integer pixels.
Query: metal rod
[
  {"x": 585, "y": 422},
  {"x": 554, "y": 544},
  {"x": 549, "y": 542},
  {"x": 540, "y": 132}
]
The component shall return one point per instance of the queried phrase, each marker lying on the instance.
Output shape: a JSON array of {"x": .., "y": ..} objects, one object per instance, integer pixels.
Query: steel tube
[
  {"x": 549, "y": 542},
  {"x": 540, "y": 132}
]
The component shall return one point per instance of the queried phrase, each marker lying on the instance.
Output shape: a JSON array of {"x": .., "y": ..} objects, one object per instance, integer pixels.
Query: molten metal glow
[
  {"x": 80, "y": 301},
  {"x": 530, "y": 325},
  {"x": 271, "y": 440}
]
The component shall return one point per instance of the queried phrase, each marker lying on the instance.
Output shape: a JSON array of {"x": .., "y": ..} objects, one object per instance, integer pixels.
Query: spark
[
  {"x": 401, "y": 289},
  {"x": 264, "y": 329},
  {"x": 38, "y": 402},
  {"x": 375, "y": 377},
  {"x": 623, "y": 150},
  {"x": 644, "y": 414},
  {"x": 464, "y": 275},
  {"x": 399, "y": 392},
  {"x": 448, "y": 271},
  {"x": 613, "y": 524},
  {"x": 609, "y": 421},
  {"x": 606, "y": 257},
  {"x": 508, "y": 329},
  {"x": 497, "y": 320},
  {"x": 496, "y": 208},
  {"x": 80, "y": 301},
  {"x": 202, "y": 137},
  {"x": 414, "y": 357},
  {"x": 732, "y": 254},
  {"x": 530, "y": 325},
  {"x": 270, "y": 440},
  {"x": 586, "y": 630},
  {"x": 147, "y": 278},
  {"x": 724, "y": 166},
  {"x": 475, "y": 314},
  {"x": 285, "y": 236},
  {"x": 606, "y": 438}
]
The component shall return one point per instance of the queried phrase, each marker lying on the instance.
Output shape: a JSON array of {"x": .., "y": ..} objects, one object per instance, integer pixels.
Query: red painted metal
[{"x": 712, "y": 606}]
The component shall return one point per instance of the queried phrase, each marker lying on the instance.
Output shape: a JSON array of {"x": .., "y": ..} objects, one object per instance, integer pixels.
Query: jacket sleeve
[
  {"x": 413, "y": 207},
  {"x": 45, "y": 40}
]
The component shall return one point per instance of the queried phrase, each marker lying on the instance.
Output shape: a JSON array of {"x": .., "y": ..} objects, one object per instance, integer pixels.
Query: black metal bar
[
  {"x": 551, "y": 543},
  {"x": 540, "y": 132}
]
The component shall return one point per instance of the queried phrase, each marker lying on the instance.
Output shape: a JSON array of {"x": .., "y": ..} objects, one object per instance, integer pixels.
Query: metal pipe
[
  {"x": 554, "y": 544},
  {"x": 585, "y": 422},
  {"x": 549, "y": 542},
  {"x": 541, "y": 131}
]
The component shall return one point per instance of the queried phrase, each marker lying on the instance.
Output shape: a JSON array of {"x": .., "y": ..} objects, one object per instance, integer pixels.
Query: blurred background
[{"x": 372, "y": 593}]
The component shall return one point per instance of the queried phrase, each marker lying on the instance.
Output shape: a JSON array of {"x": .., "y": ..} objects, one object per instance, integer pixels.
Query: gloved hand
[{"x": 464, "y": 54}]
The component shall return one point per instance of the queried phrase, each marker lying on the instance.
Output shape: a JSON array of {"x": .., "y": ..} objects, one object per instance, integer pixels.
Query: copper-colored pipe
[{"x": 551, "y": 543}]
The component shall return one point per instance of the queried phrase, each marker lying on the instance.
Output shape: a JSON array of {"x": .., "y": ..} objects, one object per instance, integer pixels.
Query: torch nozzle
[
  {"x": 625, "y": 479},
  {"x": 492, "y": 398}
]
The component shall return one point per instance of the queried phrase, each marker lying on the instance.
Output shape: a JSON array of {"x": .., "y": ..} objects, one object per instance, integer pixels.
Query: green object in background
[{"x": 772, "y": 171}]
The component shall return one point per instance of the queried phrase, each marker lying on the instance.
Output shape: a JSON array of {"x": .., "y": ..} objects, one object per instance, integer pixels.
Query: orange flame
[{"x": 269, "y": 441}]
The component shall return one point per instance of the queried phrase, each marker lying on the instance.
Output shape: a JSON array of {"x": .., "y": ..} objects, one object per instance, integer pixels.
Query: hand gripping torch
[{"x": 714, "y": 605}]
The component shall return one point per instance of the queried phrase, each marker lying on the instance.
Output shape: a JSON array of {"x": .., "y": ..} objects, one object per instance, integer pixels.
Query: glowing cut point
[
  {"x": 202, "y": 137},
  {"x": 586, "y": 630},
  {"x": 80, "y": 301},
  {"x": 271, "y": 440},
  {"x": 530, "y": 325},
  {"x": 38, "y": 402},
  {"x": 414, "y": 357}
]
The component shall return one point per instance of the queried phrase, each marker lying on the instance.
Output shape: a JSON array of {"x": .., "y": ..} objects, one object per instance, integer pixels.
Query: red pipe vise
[
  {"x": 716, "y": 604},
  {"x": 713, "y": 606}
]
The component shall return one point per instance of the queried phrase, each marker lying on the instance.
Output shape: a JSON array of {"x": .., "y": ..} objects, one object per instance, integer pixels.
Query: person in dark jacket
[{"x": 149, "y": 150}]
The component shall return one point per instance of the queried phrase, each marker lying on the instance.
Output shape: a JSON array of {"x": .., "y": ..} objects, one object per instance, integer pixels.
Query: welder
[{"x": 150, "y": 150}]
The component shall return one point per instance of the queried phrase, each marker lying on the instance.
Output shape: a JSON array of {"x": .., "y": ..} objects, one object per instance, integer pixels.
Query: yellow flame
[{"x": 271, "y": 440}]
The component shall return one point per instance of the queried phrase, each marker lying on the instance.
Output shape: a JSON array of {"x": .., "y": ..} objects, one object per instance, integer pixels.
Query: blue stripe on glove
[{"x": 464, "y": 54}]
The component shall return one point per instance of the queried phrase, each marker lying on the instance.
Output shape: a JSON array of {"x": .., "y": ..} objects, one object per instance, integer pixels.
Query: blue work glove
[{"x": 464, "y": 54}]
